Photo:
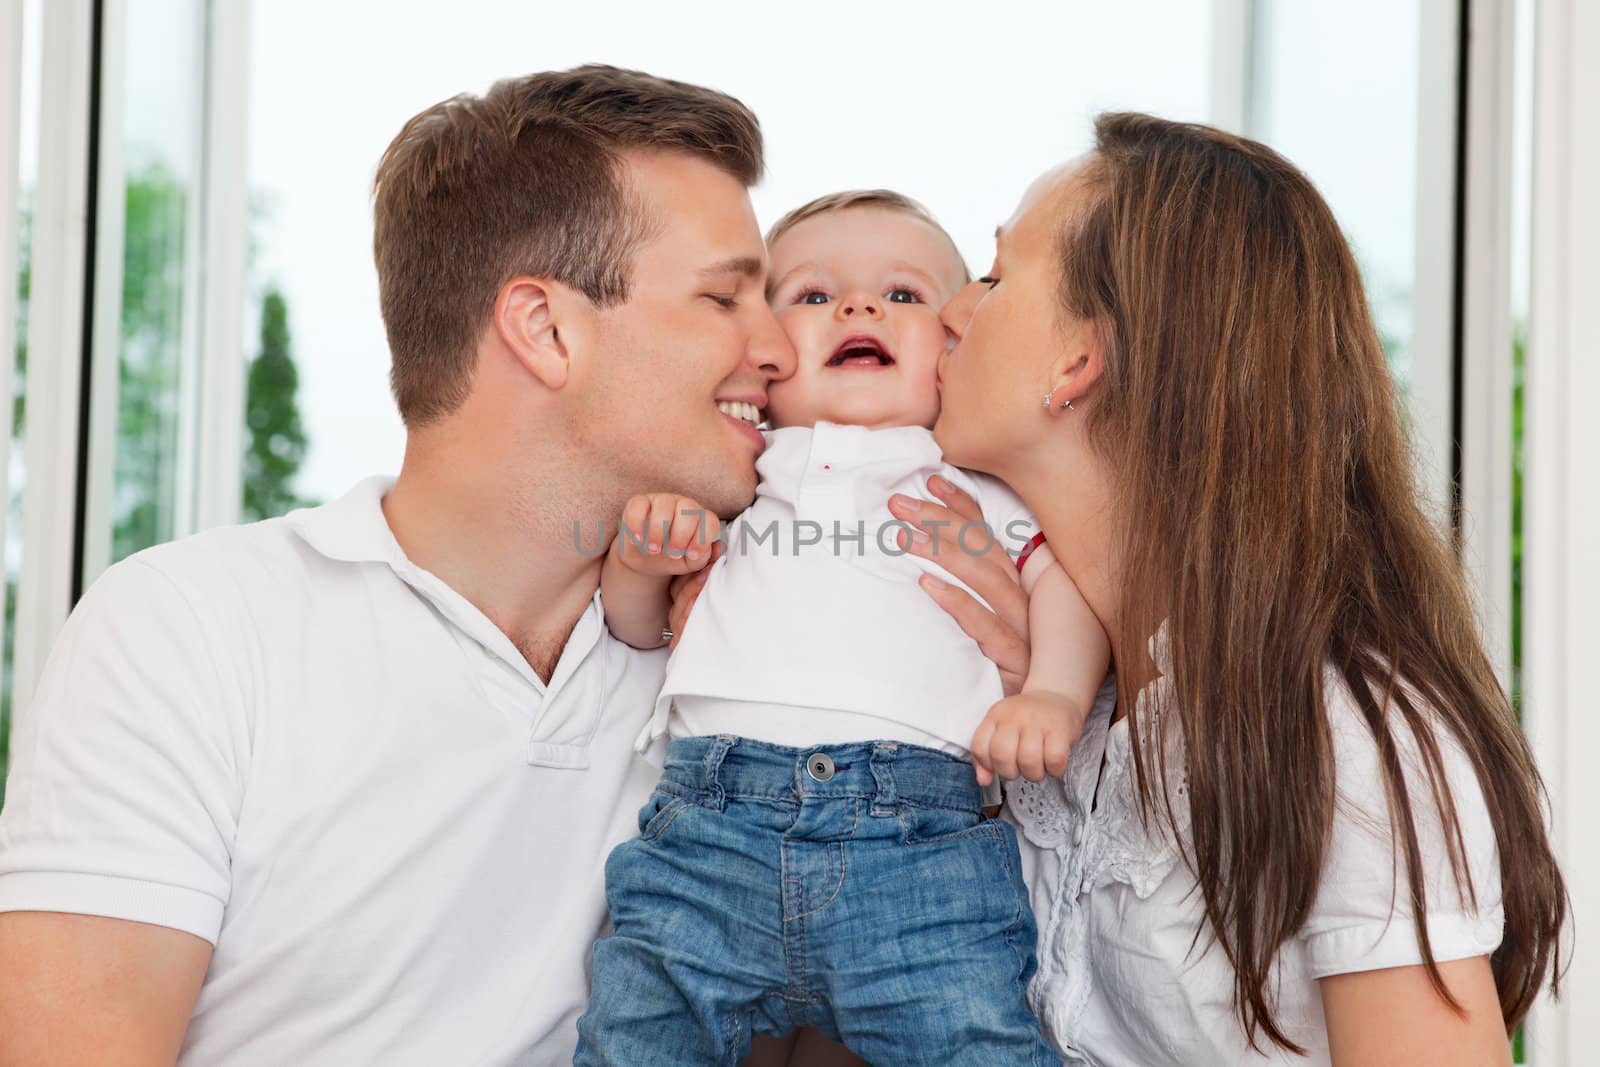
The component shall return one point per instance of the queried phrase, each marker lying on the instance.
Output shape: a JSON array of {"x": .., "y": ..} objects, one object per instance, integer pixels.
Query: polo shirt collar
[
  {"x": 845, "y": 446},
  {"x": 353, "y": 529}
]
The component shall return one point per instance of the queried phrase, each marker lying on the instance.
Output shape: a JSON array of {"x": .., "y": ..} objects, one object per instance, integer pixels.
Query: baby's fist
[
  {"x": 665, "y": 534},
  {"x": 1029, "y": 735}
]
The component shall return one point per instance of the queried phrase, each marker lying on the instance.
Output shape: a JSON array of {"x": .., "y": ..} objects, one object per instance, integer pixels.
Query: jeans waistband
[{"x": 889, "y": 772}]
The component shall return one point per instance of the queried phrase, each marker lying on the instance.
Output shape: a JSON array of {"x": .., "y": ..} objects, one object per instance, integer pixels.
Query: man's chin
[{"x": 732, "y": 497}]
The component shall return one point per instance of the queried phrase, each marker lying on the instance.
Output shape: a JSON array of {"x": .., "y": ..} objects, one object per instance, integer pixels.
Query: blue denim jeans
[{"x": 856, "y": 888}]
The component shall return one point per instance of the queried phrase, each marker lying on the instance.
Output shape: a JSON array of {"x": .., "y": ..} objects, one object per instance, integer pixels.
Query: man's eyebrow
[{"x": 745, "y": 266}]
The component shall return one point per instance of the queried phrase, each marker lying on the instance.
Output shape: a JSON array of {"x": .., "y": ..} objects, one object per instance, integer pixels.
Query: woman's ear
[
  {"x": 1079, "y": 364},
  {"x": 537, "y": 320}
]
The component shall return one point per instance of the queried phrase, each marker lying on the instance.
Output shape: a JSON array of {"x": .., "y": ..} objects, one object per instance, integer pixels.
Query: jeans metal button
[{"x": 819, "y": 765}]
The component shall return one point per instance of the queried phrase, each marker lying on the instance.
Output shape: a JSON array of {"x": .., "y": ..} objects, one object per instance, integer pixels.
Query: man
[{"x": 338, "y": 788}]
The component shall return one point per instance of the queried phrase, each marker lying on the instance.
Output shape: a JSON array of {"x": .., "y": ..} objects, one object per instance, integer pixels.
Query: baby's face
[{"x": 858, "y": 291}]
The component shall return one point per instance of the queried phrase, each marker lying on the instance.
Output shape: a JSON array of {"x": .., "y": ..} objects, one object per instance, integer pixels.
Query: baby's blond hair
[{"x": 886, "y": 199}]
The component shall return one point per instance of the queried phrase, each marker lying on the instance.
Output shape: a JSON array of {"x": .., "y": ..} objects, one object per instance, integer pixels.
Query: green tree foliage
[
  {"x": 148, "y": 390},
  {"x": 277, "y": 442}
]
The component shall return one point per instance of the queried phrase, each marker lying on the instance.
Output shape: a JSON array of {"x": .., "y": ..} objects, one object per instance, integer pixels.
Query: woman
[
  {"x": 1309, "y": 830},
  {"x": 1303, "y": 825}
]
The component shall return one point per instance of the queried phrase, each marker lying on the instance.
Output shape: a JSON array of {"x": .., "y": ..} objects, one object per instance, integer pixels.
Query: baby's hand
[
  {"x": 665, "y": 534},
  {"x": 1027, "y": 736}
]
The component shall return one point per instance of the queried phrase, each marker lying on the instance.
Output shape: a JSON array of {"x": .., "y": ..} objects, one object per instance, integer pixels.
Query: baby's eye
[
  {"x": 812, "y": 296},
  {"x": 903, "y": 296}
]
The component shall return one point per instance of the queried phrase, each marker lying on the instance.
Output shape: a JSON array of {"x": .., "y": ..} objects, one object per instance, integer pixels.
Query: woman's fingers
[
  {"x": 957, "y": 500},
  {"x": 959, "y": 541},
  {"x": 999, "y": 642}
]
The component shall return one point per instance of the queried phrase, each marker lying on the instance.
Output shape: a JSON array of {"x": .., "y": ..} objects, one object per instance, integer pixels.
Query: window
[
  {"x": 1362, "y": 98},
  {"x": 148, "y": 285}
]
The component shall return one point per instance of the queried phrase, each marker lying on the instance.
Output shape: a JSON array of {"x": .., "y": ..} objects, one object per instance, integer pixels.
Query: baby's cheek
[{"x": 787, "y": 402}]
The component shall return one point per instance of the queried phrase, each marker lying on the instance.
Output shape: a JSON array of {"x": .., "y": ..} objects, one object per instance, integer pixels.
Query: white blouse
[{"x": 1118, "y": 910}]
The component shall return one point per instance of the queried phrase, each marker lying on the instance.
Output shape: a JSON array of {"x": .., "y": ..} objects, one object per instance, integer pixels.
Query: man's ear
[
  {"x": 1079, "y": 362},
  {"x": 537, "y": 320}
]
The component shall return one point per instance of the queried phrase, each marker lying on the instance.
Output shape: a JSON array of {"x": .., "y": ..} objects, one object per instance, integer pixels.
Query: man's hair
[
  {"x": 884, "y": 199},
  {"x": 526, "y": 179}
]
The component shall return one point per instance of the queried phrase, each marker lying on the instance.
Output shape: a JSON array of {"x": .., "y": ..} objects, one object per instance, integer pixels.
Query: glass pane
[
  {"x": 161, "y": 105},
  {"x": 964, "y": 137},
  {"x": 28, "y": 138},
  {"x": 1336, "y": 92}
]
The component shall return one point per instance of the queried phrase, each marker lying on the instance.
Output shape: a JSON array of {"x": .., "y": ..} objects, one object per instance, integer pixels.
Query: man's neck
[{"x": 509, "y": 549}]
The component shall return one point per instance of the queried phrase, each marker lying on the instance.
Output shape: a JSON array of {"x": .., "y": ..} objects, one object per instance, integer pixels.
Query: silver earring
[{"x": 1066, "y": 405}]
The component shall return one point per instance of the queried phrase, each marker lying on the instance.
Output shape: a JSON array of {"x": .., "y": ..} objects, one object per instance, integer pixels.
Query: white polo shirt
[
  {"x": 291, "y": 741},
  {"x": 812, "y": 627}
]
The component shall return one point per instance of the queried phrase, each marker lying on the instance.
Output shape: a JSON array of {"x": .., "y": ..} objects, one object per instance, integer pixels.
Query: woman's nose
[
  {"x": 857, "y": 305},
  {"x": 957, "y": 311}
]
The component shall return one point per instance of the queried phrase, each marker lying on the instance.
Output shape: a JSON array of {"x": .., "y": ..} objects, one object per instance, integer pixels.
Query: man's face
[{"x": 678, "y": 377}]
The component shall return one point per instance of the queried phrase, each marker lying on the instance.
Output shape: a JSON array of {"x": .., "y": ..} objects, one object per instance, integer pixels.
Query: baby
[{"x": 816, "y": 852}]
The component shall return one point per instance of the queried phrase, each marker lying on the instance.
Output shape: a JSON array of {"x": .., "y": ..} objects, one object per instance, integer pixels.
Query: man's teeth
[{"x": 739, "y": 410}]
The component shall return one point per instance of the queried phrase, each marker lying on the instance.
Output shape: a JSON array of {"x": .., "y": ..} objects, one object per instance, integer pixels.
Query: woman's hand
[{"x": 1002, "y": 634}]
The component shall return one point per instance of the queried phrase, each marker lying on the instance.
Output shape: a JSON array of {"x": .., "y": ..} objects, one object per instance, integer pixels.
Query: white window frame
[
  {"x": 1431, "y": 400},
  {"x": 1561, "y": 507},
  {"x": 1486, "y": 327},
  {"x": 219, "y": 469},
  {"x": 55, "y": 339}
]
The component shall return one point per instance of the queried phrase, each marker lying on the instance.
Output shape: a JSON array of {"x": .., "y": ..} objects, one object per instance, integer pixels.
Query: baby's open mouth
[{"x": 861, "y": 351}]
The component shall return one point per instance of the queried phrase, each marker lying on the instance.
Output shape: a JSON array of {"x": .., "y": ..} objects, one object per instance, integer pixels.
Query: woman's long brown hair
[{"x": 1273, "y": 521}]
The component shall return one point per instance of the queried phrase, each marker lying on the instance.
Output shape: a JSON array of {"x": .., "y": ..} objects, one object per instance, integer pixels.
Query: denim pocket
[
  {"x": 658, "y": 813},
  {"x": 923, "y": 825}
]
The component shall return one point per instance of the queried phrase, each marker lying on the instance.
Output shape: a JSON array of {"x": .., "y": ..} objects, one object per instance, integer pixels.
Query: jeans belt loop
[
  {"x": 711, "y": 780},
  {"x": 886, "y": 800}
]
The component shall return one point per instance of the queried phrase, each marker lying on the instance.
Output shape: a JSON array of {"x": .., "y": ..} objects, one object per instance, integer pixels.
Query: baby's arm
[
  {"x": 1031, "y": 734},
  {"x": 661, "y": 535},
  {"x": 1071, "y": 652}
]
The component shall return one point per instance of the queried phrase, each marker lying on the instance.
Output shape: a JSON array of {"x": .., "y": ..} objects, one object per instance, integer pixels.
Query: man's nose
[
  {"x": 771, "y": 351},
  {"x": 858, "y": 305}
]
